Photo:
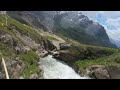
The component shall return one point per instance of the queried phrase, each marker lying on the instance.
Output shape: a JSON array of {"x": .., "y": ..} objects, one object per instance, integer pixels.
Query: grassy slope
[
  {"x": 30, "y": 58},
  {"x": 99, "y": 55},
  {"x": 94, "y": 55},
  {"x": 108, "y": 60},
  {"x": 112, "y": 60}
]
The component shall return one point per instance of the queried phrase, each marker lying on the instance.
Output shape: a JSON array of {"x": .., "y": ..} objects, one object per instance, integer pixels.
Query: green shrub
[{"x": 30, "y": 59}]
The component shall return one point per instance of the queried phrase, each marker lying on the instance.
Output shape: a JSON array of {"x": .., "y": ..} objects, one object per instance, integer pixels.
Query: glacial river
[{"x": 55, "y": 69}]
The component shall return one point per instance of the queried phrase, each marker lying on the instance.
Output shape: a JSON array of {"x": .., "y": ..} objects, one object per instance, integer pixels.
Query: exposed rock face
[
  {"x": 7, "y": 39},
  {"x": 73, "y": 25},
  {"x": 42, "y": 53},
  {"x": 34, "y": 76},
  {"x": 114, "y": 72},
  {"x": 14, "y": 68},
  {"x": 17, "y": 42},
  {"x": 66, "y": 56},
  {"x": 98, "y": 72},
  {"x": 27, "y": 40},
  {"x": 64, "y": 46},
  {"x": 31, "y": 44},
  {"x": 26, "y": 49},
  {"x": 101, "y": 72},
  {"x": 48, "y": 45},
  {"x": 19, "y": 49}
]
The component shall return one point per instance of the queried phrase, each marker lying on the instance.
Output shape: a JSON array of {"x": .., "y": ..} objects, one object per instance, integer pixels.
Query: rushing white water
[{"x": 54, "y": 69}]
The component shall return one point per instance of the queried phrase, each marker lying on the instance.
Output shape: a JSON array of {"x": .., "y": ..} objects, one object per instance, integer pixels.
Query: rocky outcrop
[
  {"x": 101, "y": 72},
  {"x": 43, "y": 45},
  {"x": 27, "y": 40},
  {"x": 114, "y": 72},
  {"x": 47, "y": 45},
  {"x": 34, "y": 76},
  {"x": 22, "y": 41},
  {"x": 14, "y": 68},
  {"x": 7, "y": 39},
  {"x": 98, "y": 72},
  {"x": 66, "y": 56},
  {"x": 19, "y": 49},
  {"x": 64, "y": 45},
  {"x": 42, "y": 53}
]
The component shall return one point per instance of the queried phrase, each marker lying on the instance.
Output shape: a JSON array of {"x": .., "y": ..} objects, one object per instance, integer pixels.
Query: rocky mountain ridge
[
  {"x": 73, "y": 25},
  {"x": 22, "y": 45}
]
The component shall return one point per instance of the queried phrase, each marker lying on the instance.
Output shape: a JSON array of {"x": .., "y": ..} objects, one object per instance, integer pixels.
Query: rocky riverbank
[{"x": 71, "y": 54}]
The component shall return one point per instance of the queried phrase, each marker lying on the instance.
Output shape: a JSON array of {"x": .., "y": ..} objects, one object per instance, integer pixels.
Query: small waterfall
[{"x": 54, "y": 69}]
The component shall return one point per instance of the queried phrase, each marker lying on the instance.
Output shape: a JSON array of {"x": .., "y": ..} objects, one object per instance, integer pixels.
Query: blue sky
[{"x": 110, "y": 20}]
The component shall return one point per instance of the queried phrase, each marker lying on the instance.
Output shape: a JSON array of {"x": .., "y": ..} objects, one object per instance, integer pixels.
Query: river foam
[{"x": 55, "y": 69}]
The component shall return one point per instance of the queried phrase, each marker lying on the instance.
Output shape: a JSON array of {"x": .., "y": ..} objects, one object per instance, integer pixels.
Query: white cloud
[
  {"x": 102, "y": 12},
  {"x": 115, "y": 36},
  {"x": 109, "y": 14},
  {"x": 110, "y": 20},
  {"x": 112, "y": 26},
  {"x": 113, "y": 22}
]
